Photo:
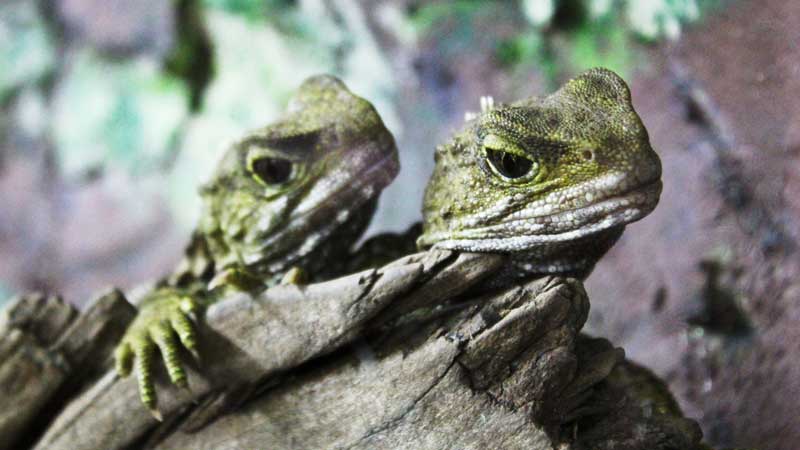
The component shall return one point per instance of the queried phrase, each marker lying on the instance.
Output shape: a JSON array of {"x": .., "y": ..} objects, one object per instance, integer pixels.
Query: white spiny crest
[{"x": 487, "y": 103}]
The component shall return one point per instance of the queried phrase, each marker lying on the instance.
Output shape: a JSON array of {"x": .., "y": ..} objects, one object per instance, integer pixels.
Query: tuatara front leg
[{"x": 164, "y": 325}]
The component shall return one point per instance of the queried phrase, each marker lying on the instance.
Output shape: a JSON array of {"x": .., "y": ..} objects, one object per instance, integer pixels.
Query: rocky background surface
[{"x": 112, "y": 112}]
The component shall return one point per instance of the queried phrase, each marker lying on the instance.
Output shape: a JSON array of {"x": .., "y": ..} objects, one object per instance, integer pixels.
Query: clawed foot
[{"x": 163, "y": 321}]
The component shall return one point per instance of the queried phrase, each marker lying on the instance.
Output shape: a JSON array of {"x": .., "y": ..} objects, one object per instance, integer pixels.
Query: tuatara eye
[
  {"x": 509, "y": 165},
  {"x": 270, "y": 170}
]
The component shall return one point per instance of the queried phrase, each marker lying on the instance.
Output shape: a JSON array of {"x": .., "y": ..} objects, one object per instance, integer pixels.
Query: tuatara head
[
  {"x": 280, "y": 193},
  {"x": 555, "y": 178}
]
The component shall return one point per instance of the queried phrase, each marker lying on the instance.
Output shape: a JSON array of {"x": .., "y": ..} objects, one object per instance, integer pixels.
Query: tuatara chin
[{"x": 290, "y": 198}]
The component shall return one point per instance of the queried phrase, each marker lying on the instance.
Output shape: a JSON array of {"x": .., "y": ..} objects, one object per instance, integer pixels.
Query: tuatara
[
  {"x": 288, "y": 200},
  {"x": 550, "y": 181}
]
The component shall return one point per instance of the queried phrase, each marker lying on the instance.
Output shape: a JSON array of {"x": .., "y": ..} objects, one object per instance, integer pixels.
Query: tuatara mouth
[
  {"x": 619, "y": 209},
  {"x": 362, "y": 185},
  {"x": 528, "y": 232}
]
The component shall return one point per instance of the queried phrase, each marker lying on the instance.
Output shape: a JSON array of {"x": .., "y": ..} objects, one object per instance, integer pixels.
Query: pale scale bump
[{"x": 368, "y": 191}]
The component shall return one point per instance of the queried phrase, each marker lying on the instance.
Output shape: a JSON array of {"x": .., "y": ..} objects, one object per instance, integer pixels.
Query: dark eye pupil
[
  {"x": 508, "y": 164},
  {"x": 272, "y": 170}
]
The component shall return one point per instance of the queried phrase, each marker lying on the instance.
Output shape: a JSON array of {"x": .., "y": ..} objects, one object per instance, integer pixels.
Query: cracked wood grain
[
  {"x": 417, "y": 354},
  {"x": 47, "y": 351},
  {"x": 408, "y": 392},
  {"x": 248, "y": 340}
]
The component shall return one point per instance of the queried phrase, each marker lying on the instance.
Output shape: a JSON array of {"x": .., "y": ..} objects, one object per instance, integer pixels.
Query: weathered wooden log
[
  {"x": 411, "y": 355},
  {"x": 47, "y": 350},
  {"x": 249, "y": 340}
]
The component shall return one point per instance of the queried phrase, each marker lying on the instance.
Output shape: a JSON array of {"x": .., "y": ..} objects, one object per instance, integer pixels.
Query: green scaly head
[
  {"x": 552, "y": 181},
  {"x": 301, "y": 188}
]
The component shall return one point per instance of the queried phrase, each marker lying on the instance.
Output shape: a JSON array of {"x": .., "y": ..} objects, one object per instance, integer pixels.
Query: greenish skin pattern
[
  {"x": 550, "y": 181},
  {"x": 296, "y": 194}
]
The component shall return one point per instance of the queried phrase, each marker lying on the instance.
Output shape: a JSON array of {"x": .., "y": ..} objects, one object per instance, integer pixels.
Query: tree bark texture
[{"x": 412, "y": 355}]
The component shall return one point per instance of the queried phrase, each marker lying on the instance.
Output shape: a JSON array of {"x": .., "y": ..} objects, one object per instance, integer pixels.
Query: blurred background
[{"x": 112, "y": 112}]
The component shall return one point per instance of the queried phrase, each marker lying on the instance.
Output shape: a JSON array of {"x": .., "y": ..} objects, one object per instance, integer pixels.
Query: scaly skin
[
  {"x": 297, "y": 193},
  {"x": 550, "y": 181}
]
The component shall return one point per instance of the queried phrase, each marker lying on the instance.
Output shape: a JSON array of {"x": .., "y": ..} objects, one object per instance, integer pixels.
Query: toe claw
[
  {"x": 123, "y": 359},
  {"x": 188, "y": 306},
  {"x": 195, "y": 355},
  {"x": 156, "y": 414},
  {"x": 294, "y": 275}
]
